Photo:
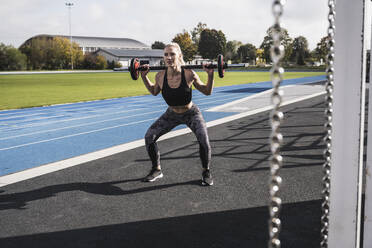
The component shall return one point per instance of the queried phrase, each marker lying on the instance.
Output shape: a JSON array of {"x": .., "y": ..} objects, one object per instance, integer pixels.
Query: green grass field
[{"x": 23, "y": 91}]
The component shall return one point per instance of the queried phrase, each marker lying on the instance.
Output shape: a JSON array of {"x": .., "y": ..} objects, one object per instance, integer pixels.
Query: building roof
[
  {"x": 134, "y": 53},
  {"x": 88, "y": 41}
]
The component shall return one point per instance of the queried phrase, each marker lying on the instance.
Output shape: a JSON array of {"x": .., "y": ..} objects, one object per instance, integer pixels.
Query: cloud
[{"x": 96, "y": 11}]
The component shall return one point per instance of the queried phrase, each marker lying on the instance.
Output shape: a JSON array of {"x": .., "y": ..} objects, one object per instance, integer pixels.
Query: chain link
[
  {"x": 328, "y": 125},
  {"x": 276, "y": 117}
]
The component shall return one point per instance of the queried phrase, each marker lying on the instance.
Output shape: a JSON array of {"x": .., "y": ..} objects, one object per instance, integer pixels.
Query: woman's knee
[{"x": 150, "y": 137}]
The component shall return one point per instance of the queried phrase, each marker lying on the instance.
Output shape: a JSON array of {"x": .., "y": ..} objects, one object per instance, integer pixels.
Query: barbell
[{"x": 135, "y": 67}]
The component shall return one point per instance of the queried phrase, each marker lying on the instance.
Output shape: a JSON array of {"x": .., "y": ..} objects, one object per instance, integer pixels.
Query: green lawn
[{"x": 22, "y": 91}]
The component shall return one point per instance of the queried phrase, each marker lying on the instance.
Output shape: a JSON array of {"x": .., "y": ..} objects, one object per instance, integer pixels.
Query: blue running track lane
[{"x": 42, "y": 135}]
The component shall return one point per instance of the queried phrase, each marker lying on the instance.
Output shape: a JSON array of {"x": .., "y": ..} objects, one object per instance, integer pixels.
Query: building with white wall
[
  {"x": 117, "y": 49},
  {"x": 123, "y": 56}
]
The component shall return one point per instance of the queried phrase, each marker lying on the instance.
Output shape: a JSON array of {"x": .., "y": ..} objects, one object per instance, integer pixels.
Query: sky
[{"x": 159, "y": 20}]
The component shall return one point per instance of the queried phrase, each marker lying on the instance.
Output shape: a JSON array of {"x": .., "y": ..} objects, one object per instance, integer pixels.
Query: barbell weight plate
[
  {"x": 220, "y": 66},
  {"x": 133, "y": 68}
]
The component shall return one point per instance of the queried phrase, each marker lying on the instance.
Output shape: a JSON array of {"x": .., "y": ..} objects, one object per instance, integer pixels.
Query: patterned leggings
[{"x": 169, "y": 120}]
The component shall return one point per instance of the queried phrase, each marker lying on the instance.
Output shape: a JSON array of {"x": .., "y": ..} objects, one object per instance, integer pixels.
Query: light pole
[{"x": 69, "y": 5}]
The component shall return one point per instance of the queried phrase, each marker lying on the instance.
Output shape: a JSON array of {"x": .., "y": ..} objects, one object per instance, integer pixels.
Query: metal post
[
  {"x": 348, "y": 126},
  {"x": 367, "y": 238},
  {"x": 69, "y": 5}
]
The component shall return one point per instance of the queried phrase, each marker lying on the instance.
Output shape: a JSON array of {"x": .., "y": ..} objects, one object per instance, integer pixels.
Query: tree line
[
  {"x": 47, "y": 53},
  {"x": 208, "y": 43},
  {"x": 55, "y": 53}
]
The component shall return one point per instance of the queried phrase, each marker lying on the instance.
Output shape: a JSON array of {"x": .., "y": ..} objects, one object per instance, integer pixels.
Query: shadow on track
[
  {"x": 234, "y": 228},
  {"x": 20, "y": 200},
  {"x": 248, "y": 141}
]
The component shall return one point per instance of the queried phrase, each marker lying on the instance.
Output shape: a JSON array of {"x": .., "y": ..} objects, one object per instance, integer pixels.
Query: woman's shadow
[{"x": 20, "y": 200}]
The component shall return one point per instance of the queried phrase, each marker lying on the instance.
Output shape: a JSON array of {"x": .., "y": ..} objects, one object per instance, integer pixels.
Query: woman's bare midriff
[{"x": 181, "y": 109}]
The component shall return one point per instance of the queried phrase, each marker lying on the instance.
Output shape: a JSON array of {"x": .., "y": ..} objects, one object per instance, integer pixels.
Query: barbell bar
[{"x": 135, "y": 67}]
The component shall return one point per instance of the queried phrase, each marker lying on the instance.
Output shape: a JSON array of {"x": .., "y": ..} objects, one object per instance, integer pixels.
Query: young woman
[{"x": 175, "y": 84}]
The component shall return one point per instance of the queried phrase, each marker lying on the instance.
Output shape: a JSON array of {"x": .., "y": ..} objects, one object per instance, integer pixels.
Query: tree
[
  {"x": 260, "y": 60},
  {"x": 35, "y": 52},
  {"x": 58, "y": 56},
  {"x": 247, "y": 53},
  {"x": 321, "y": 50},
  {"x": 51, "y": 53},
  {"x": 286, "y": 41},
  {"x": 300, "y": 53},
  {"x": 63, "y": 53},
  {"x": 158, "y": 45},
  {"x": 211, "y": 43},
  {"x": 101, "y": 62},
  {"x": 11, "y": 58},
  {"x": 187, "y": 46},
  {"x": 231, "y": 52},
  {"x": 94, "y": 61},
  {"x": 195, "y": 33}
]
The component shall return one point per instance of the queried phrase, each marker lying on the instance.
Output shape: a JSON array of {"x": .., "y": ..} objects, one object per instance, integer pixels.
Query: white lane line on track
[
  {"x": 45, "y": 111},
  {"x": 81, "y": 106},
  {"x": 93, "y": 105},
  {"x": 83, "y": 133},
  {"x": 204, "y": 103},
  {"x": 72, "y": 119},
  {"x": 59, "y": 107},
  {"x": 21, "y": 116},
  {"x": 245, "y": 99},
  {"x": 35, "y": 119},
  {"x": 74, "y": 126},
  {"x": 82, "y": 112},
  {"x": 73, "y": 135},
  {"x": 111, "y": 113},
  {"x": 56, "y": 166},
  {"x": 86, "y": 108}
]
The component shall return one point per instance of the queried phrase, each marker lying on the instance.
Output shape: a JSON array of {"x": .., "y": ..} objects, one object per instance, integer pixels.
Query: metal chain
[
  {"x": 328, "y": 125},
  {"x": 276, "y": 117}
]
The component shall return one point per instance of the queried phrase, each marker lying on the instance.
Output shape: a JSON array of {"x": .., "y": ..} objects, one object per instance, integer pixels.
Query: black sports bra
[{"x": 180, "y": 96}]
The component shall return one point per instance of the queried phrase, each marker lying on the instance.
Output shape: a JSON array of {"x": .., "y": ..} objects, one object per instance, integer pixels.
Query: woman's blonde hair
[{"x": 179, "y": 51}]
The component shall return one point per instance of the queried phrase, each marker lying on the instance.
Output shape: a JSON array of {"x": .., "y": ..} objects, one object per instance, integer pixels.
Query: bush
[
  {"x": 113, "y": 64},
  {"x": 11, "y": 58},
  {"x": 94, "y": 62}
]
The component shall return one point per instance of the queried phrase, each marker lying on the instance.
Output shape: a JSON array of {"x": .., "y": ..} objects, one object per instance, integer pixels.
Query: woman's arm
[
  {"x": 153, "y": 88},
  {"x": 206, "y": 89}
]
